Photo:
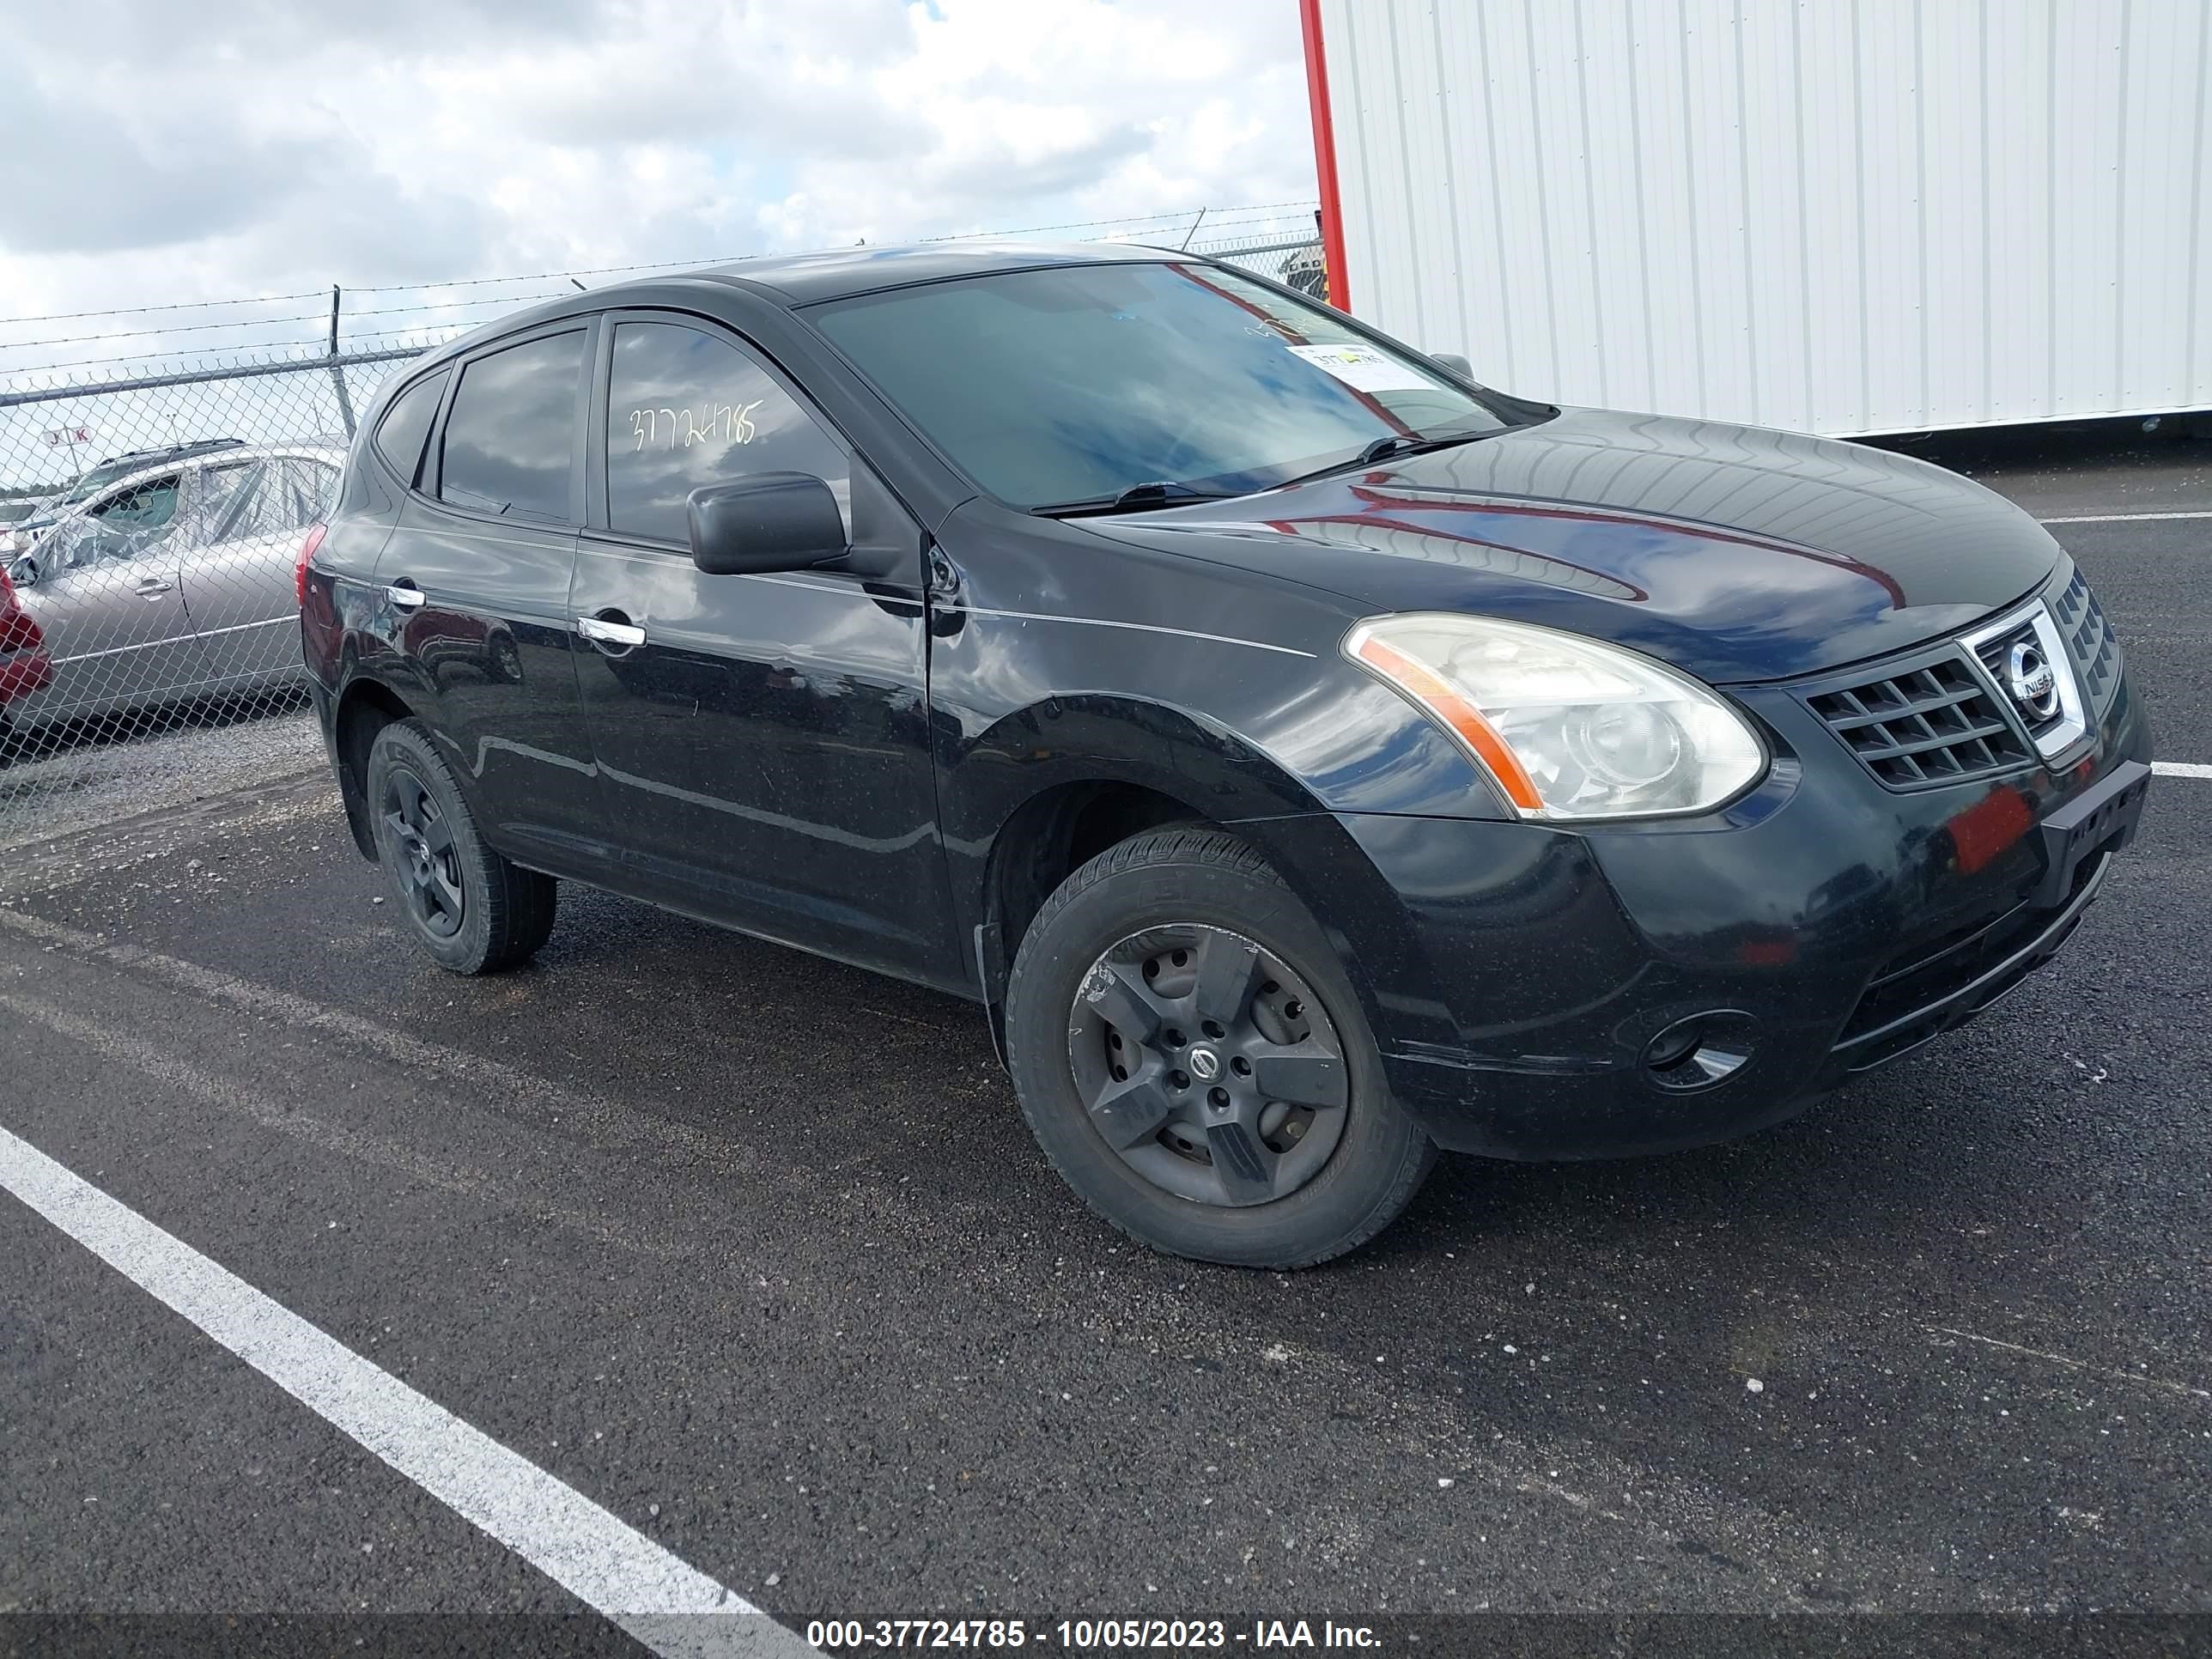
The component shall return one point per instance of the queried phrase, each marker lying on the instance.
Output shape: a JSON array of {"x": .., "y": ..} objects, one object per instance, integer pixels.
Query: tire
[
  {"x": 22, "y": 742},
  {"x": 1104, "y": 965},
  {"x": 471, "y": 909}
]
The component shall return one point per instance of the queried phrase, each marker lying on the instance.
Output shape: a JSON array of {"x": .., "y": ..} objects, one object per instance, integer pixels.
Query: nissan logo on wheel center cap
[
  {"x": 1205, "y": 1065},
  {"x": 2032, "y": 680}
]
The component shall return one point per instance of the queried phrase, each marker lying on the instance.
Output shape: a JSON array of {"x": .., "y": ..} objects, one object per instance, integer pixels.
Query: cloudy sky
[{"x": 165, "y": 151}]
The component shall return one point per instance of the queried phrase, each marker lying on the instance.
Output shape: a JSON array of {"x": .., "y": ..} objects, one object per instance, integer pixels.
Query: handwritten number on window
[{"x": 675, "y": 428}]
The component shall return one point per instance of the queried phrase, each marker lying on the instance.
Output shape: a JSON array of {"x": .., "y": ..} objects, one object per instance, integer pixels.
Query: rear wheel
[
  {"x": 1192, "y": 1057},
  {"x": 471, "y": 909}
]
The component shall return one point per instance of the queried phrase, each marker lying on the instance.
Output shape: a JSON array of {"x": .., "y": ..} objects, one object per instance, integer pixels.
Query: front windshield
[{"x": 1075, "y": 384}]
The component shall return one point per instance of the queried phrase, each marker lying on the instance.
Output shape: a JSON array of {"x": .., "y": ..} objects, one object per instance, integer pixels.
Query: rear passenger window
[
  {"x": 230, "y": 499},
  {"x": 407, "y": 423},
  {"x": 686, "y": 409},
  {"x": 510, "y": 440},
  {"x": 310, "y": 487}
]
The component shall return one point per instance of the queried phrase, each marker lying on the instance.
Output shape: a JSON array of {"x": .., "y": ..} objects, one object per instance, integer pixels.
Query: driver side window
[
  {"x": 121, "y": 528},
  {"x": 686, "y": 409}
]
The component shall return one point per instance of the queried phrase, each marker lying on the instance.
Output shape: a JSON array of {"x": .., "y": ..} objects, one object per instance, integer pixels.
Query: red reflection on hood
[
  {"x": 1377, "y": 497},
  {"x": 1768, "y": 953},
  {"x": 1988, "y": 827}
]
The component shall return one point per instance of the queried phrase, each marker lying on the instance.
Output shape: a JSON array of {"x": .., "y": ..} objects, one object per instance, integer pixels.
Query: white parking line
[
  {"x": 672, "y": 1608},
  {"x": 2180, "y": 769},
  {"x": 2123, "y": 518}
]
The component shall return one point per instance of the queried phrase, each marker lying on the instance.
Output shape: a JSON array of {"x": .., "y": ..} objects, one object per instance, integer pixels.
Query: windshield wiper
[
  {"x": 1137, "y": 498},
  {"x": 1391, "y": 444}
]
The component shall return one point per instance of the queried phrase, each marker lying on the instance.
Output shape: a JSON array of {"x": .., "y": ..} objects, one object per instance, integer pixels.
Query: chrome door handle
[
  {"x": 600, "y": 631},
  {"x": 405, "y": 595},
  {"x": 152, "y": 587}
]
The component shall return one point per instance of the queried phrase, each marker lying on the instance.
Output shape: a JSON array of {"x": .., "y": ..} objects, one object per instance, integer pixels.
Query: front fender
[
  {"x": 1060, "y": 659},
  {"x": 1103, "y": 736}
]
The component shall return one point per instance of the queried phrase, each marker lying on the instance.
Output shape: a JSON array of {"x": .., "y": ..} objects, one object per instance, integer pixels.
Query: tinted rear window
[
  {"x": 407, "y": 423},
  {"x": 511, "y": 439}
]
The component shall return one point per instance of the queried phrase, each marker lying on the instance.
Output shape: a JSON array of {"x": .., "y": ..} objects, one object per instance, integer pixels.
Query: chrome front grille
[{"x": 1936, "y": 723}]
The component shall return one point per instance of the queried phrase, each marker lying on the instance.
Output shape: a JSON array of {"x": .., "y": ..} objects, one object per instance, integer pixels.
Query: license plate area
[{"x": 2105, "y": 816}]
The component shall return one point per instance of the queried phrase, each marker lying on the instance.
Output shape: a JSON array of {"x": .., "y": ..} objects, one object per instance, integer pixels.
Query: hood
[{"x": 1734, "y": 553}]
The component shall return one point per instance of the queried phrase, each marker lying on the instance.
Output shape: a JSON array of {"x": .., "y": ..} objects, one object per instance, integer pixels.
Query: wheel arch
[
  {"x": 364, "y": 708},
  {"x": 1041, "y": 792},
  {"x": 1049, "y": 837}
]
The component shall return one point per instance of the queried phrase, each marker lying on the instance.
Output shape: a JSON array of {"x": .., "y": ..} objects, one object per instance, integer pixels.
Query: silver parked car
[
  {"x": 38, "y": 517},
  {"x": 173, "y": 583}
]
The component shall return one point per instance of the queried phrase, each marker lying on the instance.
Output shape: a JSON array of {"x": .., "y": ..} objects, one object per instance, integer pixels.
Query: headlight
[{"x": 1569, "y": 727}]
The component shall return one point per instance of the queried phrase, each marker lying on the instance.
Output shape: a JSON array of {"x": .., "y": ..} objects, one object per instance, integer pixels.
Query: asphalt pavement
[{"x": 753, "y": 1251}]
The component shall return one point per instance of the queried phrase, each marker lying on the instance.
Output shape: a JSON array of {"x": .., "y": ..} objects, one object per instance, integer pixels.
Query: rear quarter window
[{"x": 399, "y": 435}]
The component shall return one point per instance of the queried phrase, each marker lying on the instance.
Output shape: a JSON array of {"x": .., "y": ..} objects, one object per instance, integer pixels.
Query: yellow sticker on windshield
[{"x": 1364, "y": 368}]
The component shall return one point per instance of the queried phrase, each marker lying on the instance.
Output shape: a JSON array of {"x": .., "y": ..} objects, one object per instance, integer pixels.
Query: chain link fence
[
  {"x": 152, "y": 514},
  {"x": 150, "y": 529}
]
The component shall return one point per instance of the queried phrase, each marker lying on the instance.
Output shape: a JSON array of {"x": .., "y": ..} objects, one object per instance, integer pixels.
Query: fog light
[{"x": 1700, "y": 1051}]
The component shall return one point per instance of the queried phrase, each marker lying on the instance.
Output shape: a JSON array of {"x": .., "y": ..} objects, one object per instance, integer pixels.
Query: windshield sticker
[
  {"x": 1364, "y": 368},
  {"x": 675, "y": 427}
]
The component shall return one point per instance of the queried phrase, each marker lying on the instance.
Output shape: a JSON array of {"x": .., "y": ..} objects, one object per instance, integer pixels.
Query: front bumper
[{"x": 1517, "y": 974}]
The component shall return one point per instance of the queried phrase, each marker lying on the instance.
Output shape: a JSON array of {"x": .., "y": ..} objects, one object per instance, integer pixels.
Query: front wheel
[{"x": 1192, "y": 1057}]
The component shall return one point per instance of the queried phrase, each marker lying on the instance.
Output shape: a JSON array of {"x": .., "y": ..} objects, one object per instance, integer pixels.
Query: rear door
[
  {"x": 238, "y": 573},
  {"x": 472, "y": 591},
  {"x": 109, "y": 601}
]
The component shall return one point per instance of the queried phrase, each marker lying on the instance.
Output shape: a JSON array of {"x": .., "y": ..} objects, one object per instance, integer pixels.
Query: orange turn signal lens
[{"x": 1435, "y": 693}]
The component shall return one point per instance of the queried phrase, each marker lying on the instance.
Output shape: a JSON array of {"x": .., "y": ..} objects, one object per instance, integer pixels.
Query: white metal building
[{"x": 1835, "y": 216}]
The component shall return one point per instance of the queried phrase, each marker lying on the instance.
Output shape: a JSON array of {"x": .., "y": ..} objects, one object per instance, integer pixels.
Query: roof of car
[
  {"x": 176, "y": 452},
  {"x": 800, "y": 279},
  {"x": 838, "y": 273},
  {"x": 330, "y": 450}
]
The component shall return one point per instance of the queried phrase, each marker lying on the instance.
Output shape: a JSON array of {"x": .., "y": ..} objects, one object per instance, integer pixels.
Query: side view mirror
[
  {"x": 770, "y": 521},
  {"x": 1452, "y": 361},
  {"x": 24, "y": 573}
]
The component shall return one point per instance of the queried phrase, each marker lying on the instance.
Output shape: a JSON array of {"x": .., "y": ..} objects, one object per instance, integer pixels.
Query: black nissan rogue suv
[{"x": 1308, "y": 757}]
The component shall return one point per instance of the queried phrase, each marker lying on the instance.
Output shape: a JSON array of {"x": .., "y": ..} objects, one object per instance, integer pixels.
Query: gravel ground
[{"x": 87, "y": 785}]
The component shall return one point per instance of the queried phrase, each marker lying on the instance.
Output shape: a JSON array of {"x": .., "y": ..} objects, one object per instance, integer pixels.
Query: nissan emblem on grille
[{"x": 2032, "y": 681}]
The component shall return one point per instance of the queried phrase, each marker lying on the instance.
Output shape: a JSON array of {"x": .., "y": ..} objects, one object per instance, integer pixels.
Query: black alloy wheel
[
  {"x": 1208, "y": 1065},
  {"x": 472, "y": 910},
  {"x": 1192, "y": 1055},
  {"x": 429, "y": 865}
]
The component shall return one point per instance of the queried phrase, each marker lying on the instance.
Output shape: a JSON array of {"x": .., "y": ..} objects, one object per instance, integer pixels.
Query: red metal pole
[{"x": 1324, "y": 139}]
